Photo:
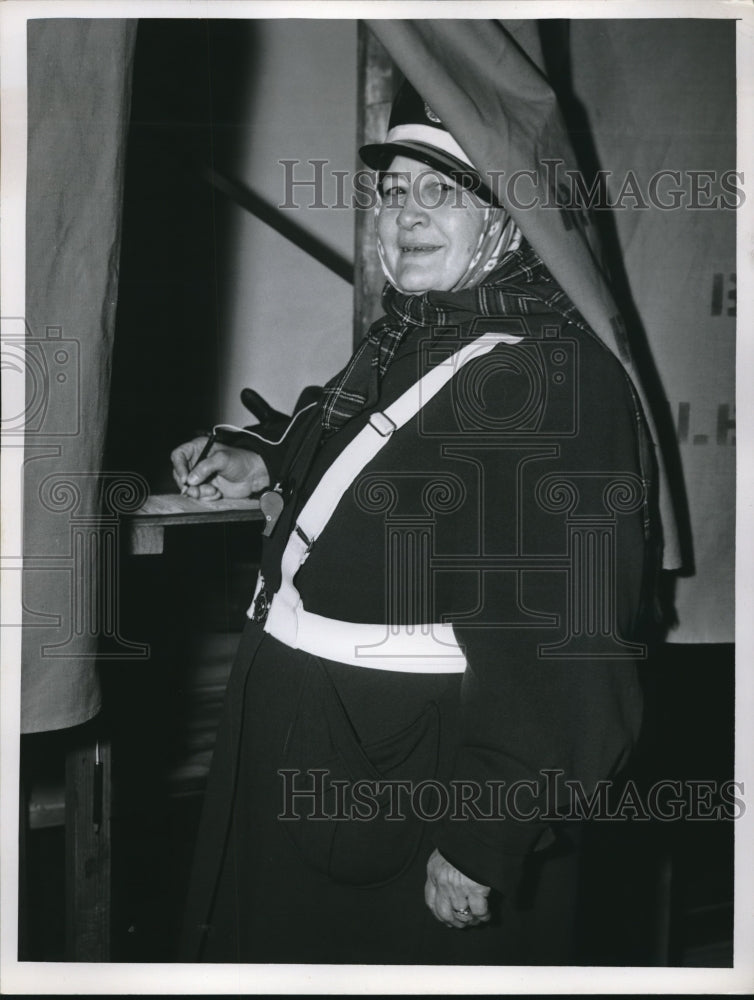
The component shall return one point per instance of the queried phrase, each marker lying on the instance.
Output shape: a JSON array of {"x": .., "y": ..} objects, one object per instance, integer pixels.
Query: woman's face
[{"x": 428, "y": 226}]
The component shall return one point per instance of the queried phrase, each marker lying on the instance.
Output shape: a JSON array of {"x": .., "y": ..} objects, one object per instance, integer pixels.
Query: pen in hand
[{"x": 202, "y": 455}]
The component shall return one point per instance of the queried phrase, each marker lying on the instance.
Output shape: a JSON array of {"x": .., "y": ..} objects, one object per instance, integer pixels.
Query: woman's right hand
[{"x": 225, "y": 472}]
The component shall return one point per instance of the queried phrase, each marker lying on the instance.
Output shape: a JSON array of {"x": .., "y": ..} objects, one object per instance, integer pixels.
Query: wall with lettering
[{"x": 660, "y": 100}]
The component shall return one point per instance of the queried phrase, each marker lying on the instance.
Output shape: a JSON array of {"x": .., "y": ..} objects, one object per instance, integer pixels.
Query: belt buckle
[{"x": 382, "y": 423}]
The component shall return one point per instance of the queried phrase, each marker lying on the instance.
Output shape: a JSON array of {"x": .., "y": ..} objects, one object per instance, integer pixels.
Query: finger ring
[{"x": 465, "y": 912}]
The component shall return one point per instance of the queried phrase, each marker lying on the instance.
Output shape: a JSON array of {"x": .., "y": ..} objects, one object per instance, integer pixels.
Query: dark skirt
[{"x": 290, "y": 868}]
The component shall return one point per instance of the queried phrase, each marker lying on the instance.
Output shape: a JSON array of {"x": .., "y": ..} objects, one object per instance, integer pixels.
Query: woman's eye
[
  {"x": 437, "y": 192},
  {"x": 393, "y": 195}
]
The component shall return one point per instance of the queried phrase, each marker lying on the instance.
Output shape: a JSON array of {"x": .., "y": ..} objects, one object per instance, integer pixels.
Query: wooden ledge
[{"x": 146, "y": 526}]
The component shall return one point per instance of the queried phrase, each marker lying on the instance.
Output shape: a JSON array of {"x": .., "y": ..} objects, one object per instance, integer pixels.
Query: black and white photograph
[{"x": 375, "y": 545}]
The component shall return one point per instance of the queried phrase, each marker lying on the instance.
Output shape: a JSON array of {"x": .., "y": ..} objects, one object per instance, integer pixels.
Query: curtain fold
[
  {"x": 659, "y": 99},
  {"x": 494, "y": 99},
  {"x": 79, "y": 80}
]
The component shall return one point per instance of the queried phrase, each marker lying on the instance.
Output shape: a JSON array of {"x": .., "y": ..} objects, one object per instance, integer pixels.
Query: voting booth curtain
[
  {"x": 78, "y": 77},
  {"x": 653, "y": 103},
  {"x": 660, "y": 102}
]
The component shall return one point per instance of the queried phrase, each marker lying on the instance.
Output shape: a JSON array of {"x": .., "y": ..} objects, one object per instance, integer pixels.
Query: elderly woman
[{"x": 440, "y": 652}]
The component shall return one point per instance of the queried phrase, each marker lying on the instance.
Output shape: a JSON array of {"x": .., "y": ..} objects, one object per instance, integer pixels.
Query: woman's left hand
[{"x": 455, "y": 899}]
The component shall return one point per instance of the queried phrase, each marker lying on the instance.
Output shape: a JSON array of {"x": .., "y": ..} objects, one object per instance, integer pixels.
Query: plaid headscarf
[{"x": 519, "y": 285}]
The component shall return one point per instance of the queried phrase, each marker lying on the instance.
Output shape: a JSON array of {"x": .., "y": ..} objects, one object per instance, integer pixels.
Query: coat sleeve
[
  {"x": 276, "y": 435},
  {"x": 550, "y": 625}
]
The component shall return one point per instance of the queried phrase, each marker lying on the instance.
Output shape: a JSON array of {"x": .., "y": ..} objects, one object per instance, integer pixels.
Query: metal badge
[{"x": 271, "y": 504}]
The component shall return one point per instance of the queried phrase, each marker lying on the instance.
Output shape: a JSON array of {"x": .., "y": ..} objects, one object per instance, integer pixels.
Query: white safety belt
[{"x": 418, "y": 648}]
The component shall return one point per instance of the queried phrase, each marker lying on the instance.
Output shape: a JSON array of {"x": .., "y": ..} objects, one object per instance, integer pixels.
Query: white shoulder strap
[
  {"x": 368, "y": 442},
  {"x": 376, "y": 434},
  {"x": 432, "y": 648}
]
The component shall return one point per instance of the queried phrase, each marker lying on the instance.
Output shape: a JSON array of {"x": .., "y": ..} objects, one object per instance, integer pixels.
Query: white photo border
[{"x": 112, "y": 978}]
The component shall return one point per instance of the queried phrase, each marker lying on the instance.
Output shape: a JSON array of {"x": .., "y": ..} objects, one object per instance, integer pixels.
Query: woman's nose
[{"x": 413, "y": 213}]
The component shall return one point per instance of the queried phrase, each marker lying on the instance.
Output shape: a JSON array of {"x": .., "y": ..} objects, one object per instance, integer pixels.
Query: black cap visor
[{"x": 380, "y": 155}]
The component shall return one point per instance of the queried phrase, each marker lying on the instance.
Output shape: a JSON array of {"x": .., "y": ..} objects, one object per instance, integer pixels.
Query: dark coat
[{"x": 518, "y": 506}]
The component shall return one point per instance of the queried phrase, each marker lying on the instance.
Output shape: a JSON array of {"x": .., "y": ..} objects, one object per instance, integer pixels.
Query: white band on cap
[{"x": 431, "y": 136}]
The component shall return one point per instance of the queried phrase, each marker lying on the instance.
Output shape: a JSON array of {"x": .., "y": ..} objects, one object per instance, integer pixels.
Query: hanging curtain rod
[{"x": 277, "y": 220}]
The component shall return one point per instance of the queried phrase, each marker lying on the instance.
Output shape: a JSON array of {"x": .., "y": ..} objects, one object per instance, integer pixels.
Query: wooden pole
[
  {"x": 376, "y": 72},
  {"x": 87, "y": 822}
]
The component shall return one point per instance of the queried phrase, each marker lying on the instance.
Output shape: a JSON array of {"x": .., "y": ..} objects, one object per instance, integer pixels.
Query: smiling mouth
[{"x": 419, "y": 249}]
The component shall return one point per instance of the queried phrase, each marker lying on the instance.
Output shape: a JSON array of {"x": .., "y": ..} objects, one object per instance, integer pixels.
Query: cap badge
[{"x": 431, "y": 115}]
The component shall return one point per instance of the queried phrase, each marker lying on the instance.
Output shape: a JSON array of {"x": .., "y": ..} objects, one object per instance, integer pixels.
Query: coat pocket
[{"x": 357, "y": 826}]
